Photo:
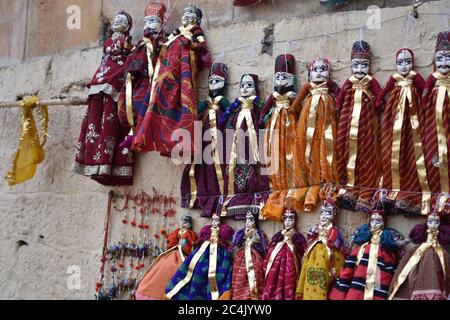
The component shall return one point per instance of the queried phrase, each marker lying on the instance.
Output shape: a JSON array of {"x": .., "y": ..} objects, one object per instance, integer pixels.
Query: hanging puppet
[
  {"x": 368, "y": 270},
  {"x": 358, "y": 149},
  {"x": 282, "y": 264},
  {"x": 316, "y": 135},
  {"x": 245, "y": 174},
  {"x": 203, "y": 183},
  {"x": 139, "y": 68},
  {"x": 402, "y": 155},
  {"x": 324, "y": 258},
  {"x": 206, "y": 273},
  {"x": 248, "y": 266},
  {"x": 99, "y": 155},
  {"x": 423, "y": 273},
  {"x": 279, "y": 118},
  {"x": 436, "y": 105},
  {"x": 173, "y": 98},
  {"x": 179, "y": 245}
]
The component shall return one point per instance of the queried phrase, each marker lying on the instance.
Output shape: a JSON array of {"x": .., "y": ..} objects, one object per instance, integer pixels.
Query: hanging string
[
  {"x": 407, "y": 28},
  {"x": 446, "y": 24}
]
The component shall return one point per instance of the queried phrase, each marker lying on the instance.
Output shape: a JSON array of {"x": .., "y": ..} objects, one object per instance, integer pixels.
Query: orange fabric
[
  {"x": 313, "y": 169},
  {"x": 157, "y": 277},
  {"x": 282, "y": 160}
]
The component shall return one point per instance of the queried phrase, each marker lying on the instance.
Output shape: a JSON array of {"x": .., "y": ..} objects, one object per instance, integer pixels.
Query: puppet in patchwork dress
[
  {"x": 316, "y": 160},
  {"x": 324, "y": 258},
  {"x": 174, "y": 95},
  {"x": 282, "y": 264},
  {"x": 248, "y": 266},
  {"x": 179, "y": 245},
  {"x": 423, "y": 273},
  {"x": 206, "y": 273},
  {"x": 357, "y": 145},
  {"x": 140, "y": 67},
  {"x": 436, "y": 106},
  {"x": 401, "y": 139},
  {"x": 370, "y": 267},
  {"x": 99, "y": 155},
  {"x": 279, "y": 118},
  {"x": 203, "y": 183},
  {"x": 246, "y": 175}
]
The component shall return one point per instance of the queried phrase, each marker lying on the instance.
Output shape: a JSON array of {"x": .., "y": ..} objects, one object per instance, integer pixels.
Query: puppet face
[
  {"x": 289, "y": 220},
  {"x": 153, "y": 24},
  {"x": 216, "y": 82},
  {"x": 250, "y": 222},
  {"x": 186, "y": 222},
  {"x": 215, "y": 221},
  {"x": 433, "y": 222},
  {"x": 404, "y": 62},
  {"x": 284, "y": 79},
  {"x": 248, "y": 86},
  {"x": 376, "y": 222},
  {"x": 442, "y": 61},
  {"x": 120, "y": 23},
  {"x": 326, "y": 214},
  {"x": 360, "y": 68},
  {"x": 189, "y": 16},
  {"x": 319, "y": 72}
]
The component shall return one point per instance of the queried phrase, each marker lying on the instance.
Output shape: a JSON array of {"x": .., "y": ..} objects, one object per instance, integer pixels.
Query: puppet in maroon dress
[
  {"x": 358, "y": 149},
  {"x": 402, "y": 155},
  {"x": 280, "y": 119},
  {"x": 99, "y": 155},
  {"x": 174, "y": 97},
  {"x": 139, "y": 69},
  {"x": 248, "y": 266},
  {"x": 436, "y": 105},
  {"x": 245, "y": 173},
  {"x": 282, "y": 264},
  {"x": 368, "y": 270},
  {"x": 203, "y": 183},
  {"x": 423, "y": 273}
]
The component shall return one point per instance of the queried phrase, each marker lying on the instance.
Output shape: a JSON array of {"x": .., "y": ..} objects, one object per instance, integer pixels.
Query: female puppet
[
  {"x": 436, "y": 105},
  {"x": 316, "y": 135},
  {"x": 368, "y": 270},
  {"x": 140, "y": 67},
  {"x": 324, "y": 258},
  {"x": 203, "y": 183},
  {"x": 98, "y": 153},
  {"x": 282, "y": 264},
  {"x": 401, "y": 145},
  {"x": 279, "y": 118},
  {"x": 245, "y": 174},
  {"x": 357, "y": 143},
  {"x": 173, "y": 100},
  {"x": 248, "y": 265},
  {"x": 423, "y": 272},
  {"x": 206, "y": 273},
  {"x": 158, "y": 275}
]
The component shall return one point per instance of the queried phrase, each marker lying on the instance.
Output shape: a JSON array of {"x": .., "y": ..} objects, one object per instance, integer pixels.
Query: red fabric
[
  {"x": 188, "y": 239},
  {"x": 281, "y": 281},
  {"x": 351, "y": 275},
  {"x": 409, "y": 178},
  {"x": 174, "y": 104},
  {"x": 240, "y": 289},
  {"x": 367, "y": 168},
  {"x": 430, "y": 140},
  {"x": 98, "y": 152}
]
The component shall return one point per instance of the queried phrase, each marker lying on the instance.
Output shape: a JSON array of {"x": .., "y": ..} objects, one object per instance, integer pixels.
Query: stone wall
[{"x": 56, "y": 220}]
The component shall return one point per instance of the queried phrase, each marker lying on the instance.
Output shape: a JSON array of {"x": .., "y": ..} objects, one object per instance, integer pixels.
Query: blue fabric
[{"x": 198, "y": 288}]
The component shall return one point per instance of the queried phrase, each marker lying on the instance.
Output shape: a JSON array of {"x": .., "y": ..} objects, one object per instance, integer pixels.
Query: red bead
[{"x": 125, "y": 221}]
